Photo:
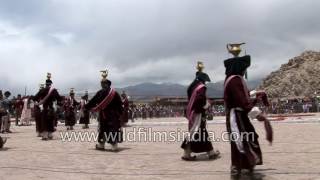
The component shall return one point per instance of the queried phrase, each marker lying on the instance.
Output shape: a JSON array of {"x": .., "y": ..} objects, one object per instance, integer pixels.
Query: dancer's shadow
[
  {"x": 5, "y": 149},
  {"x": 120, "y": 149},
  {"x": 204, "y": 157},
  {"x": 256, "y": 175}
]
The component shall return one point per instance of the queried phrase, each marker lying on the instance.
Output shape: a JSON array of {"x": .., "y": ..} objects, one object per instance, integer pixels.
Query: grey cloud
[{"x": 143, "y": 41}]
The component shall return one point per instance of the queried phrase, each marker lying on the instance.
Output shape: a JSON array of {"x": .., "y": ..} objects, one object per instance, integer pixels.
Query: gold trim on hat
[
  {"x": 72, "y": 90},
  {"x": 104, "y": 75},
  {"x": 48, "y": 75},
  {"x": 200, "y": 66}
]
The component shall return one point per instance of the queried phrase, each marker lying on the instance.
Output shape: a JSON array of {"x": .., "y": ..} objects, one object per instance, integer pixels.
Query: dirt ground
[{"x": 295, "y": 154}]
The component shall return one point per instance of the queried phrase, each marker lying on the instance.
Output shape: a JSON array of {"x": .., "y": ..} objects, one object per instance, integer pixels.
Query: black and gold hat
[
  {"x": 104, "y": 74},
  {"x": 234, "y": 48},
  {"x": 48, "y": 81},
  {"x": 200, "y": 66},
  {"x": 71, "y": 91},
  {"x": 104, "y": 77}
]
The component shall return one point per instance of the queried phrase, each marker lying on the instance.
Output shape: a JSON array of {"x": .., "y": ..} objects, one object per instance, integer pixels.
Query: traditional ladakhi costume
[
  {"x": 18, "y": 106},
  {"x": 198, "y": 140},
  {"x": 125, "y": 114},
  {"x": 2, "y": 140},
  {"x": 5, "y": 106},
  {"x": 70, "y": 108},
  {"x": 37, "y": 114},
  {"x": 245, "y": 151},
  {"x": 107, "y": 102},
  {"x": 84, "y": 113},
  {"x": 45, "y": 98},
  {"x": 26, "y": 115}
]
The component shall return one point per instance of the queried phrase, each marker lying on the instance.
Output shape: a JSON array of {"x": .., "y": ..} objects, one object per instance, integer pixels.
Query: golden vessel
[
  {"x": 200, "y": 66},
  {"x": 104, "y": 74},
  {"x": 234, "y": 48},
  {"x": 49, "y": 75},
  {"x": 71, "y": 90}
]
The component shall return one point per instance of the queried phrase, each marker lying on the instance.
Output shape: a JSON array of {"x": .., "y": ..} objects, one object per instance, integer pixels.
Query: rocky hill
[{"x": 299, "y": 77}]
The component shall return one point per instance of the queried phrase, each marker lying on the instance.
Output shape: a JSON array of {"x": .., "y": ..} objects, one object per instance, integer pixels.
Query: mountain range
[{"x": 152, "y": 90}]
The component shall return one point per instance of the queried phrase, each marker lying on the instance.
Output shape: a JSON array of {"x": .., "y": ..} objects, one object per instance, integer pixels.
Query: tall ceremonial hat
[
  {"x": 234, "y": 48},
  {"x": 200, "y": 75},
  {"x": 71, "y": 91},
  {"x": 200, "y": 66},
  {"x": 48, "y": 81},
  {"x": 104, "y": 74},
  {"x": 236, "y": 65},
  {"x": 86, "y": 95}
]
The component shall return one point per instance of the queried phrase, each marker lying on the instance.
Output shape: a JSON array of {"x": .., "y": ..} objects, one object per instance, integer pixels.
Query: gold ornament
[
  {"x": 200, "y": 66},
  {"x": 104, "y": 75},
  {"x": 234, "y": 48}
]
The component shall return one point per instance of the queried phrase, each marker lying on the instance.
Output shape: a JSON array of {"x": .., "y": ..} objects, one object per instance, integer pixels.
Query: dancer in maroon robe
[
  {"x": 245, "y": 151},
  {"x": 125, "y": 114},
  {"x": 84, "y": 113},
  {"x": 70, "y": 108},
  {"x": 1, "y": 110},
  {"x": 107, "y": 102},
  {"x": 45, "y": 99},
  {"x": 2, "y": 140},
  {"x": 37, "y": 115},
  {"x": 18, "y": 106},
  {"x": 198, "y": 140}
]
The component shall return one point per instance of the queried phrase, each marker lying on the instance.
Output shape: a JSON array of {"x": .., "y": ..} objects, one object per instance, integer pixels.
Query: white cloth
[
  {"x": 255, "y": 111},
  {"x": 5, "y": 122},
  {"x": 196, "y": 125},
  {"x": 235, "y": 132},
  {"x": 26, "y": 113}
]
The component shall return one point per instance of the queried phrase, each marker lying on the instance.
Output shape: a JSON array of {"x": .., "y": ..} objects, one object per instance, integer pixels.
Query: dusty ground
[{"x": 295, "y": 154}]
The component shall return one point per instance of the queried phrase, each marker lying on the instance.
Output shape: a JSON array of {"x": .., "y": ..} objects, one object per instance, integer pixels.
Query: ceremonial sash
[
  {"x": 190, "y": 112},
  {"x": 42, "y": 101},
  {"x": 106, "y": 101}
]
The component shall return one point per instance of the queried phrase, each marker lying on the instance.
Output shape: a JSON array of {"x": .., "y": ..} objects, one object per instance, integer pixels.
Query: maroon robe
[
  {"x": 247, "y": 154},
  {"x": 47, "y": 114},
  {"x": 18, "y": 109},
  {"x": 201, "y": 142},
  {"x": 125, "y": 114},
  {"x": 37, "y": 118},
  {"x": 70, "y": 108},
  {"x": 85, "y": 116},
  {"x": 109, "y": 117}
]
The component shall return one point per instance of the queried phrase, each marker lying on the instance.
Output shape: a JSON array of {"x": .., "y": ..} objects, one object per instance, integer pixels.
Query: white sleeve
[
  {"x": 253, "y": 93},
  {"x": 255, "y": 111}
]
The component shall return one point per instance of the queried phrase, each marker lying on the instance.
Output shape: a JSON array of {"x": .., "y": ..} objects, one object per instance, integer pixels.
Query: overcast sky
[{"x": 146, "y": 40}]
